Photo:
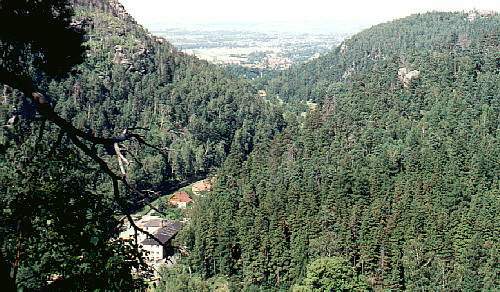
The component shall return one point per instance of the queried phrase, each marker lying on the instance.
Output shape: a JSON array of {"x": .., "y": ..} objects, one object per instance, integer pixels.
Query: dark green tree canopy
[
  {"x": 37, "y": 38},
  {"x": 399, "y": 177},
  {"x": 129, "y": 81}
]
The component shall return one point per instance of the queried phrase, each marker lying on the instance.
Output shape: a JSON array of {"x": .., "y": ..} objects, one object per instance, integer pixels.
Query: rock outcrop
[
  {"x": 113, "y": 7},
  {"x": 406, "y": 77}
]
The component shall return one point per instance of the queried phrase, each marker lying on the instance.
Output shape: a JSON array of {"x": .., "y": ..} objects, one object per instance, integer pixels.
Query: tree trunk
[{"x": 8, "y": 283}]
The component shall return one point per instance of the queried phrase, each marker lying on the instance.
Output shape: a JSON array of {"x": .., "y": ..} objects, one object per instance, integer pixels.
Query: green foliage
[
  {"x": 194, "y": 110},
  {"x": 56, "y": 227},
  {"x": 391, "y": 181},
  {"x": 363, "y": 53},
  {"x": 29, "y": 40},
  {"x": 129, "y": 79},
  {"x": 401, "y": 180},
  {"x": 55, "y": 223},
  {"x": 331, "y": 274},
  {"x": 179, "y": 279}
]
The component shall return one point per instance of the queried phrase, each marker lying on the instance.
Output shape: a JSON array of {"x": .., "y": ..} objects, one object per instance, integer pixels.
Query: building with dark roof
[{"x": 164, "y": 234}]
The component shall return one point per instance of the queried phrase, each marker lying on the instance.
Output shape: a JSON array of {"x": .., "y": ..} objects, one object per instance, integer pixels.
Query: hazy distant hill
[{"x": 398, "y": 40}]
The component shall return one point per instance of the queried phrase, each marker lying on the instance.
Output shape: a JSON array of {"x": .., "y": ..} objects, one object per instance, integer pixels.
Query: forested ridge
[
  {"x": 194, "y": 111},
  {"x": 192, "y": 108},
  {"x": 361, "y": 53},
  {"x": 391, "y": 183}
]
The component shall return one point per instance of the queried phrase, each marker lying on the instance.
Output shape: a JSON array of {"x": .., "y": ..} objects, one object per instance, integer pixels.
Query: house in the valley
[
  {"x": 148, "y": 223},
  {"x": 158, "y": 251},
  {"x": 180, "y": 200},
  {"x": 202, "y": 186},
  {"x": 153, "y": 224}
]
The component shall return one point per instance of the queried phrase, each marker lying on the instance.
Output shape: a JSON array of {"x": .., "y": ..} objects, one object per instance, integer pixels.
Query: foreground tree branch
[
  {"x": 79, "y": 137},
  {"x": 31, "y": 54}
]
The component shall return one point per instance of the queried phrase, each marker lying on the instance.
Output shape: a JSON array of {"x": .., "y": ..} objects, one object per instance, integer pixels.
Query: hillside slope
[
  {"x": 131, "y": 79},
  {"x": 398, "y": 40},
  {"x": 63, "y": 199},
  {"x": 392, "y": 183}
]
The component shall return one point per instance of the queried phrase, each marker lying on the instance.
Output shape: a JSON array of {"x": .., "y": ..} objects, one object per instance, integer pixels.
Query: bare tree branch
[
  {"x": 121, "y": 159},
  {"x": 132, "y": 223},
  {"x": 77, "y": 136}
]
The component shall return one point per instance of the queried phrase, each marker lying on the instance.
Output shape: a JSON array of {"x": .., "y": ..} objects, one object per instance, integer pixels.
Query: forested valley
[{"x": 374, "y": 167}]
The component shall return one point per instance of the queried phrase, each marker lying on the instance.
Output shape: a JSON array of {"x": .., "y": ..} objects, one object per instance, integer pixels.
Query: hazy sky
[{"x": 348, "y": 11}]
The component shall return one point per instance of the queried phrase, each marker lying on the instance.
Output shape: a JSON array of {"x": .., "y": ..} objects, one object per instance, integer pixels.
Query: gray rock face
[
  {"x": 406, "y": 77},
  {"x": 113, "y": 7}
]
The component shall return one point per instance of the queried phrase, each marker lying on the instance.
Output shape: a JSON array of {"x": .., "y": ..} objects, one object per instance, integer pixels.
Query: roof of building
[
  {"x": 202, "y": 186},
  {"x": 164, "y": 234},
  {"x": 154, "y": 223},
  {"x": 181, "y": 197}
]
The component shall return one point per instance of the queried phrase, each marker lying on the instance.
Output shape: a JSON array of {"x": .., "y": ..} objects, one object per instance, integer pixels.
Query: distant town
[{"x": 251, "y": 49}]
